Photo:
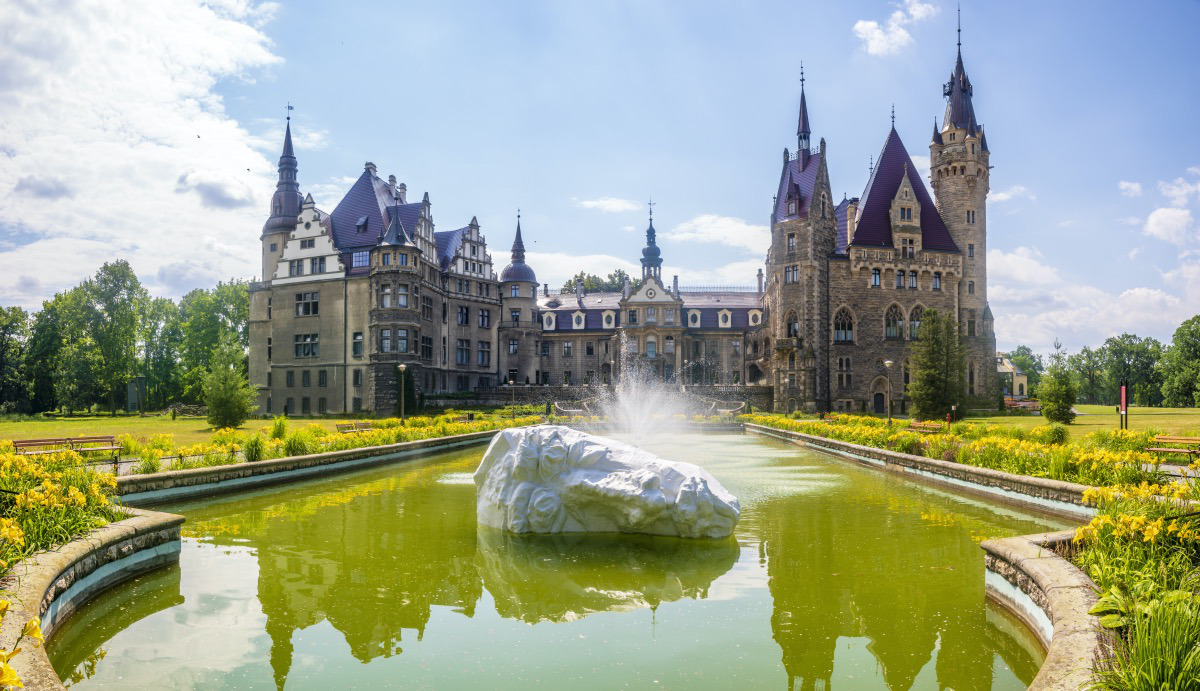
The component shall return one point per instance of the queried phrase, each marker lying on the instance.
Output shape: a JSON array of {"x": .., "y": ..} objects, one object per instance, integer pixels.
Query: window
[
  {"x": 307, "y": 244},
  {"x": 545, "y": 348},
  {"x": 914, "y": 322},
  {"x": 268, "y": 378},
  {"x": 269, "y": 404},
  {"x": 875, "y": 276},
  {"x": 274, "y": 247},
  {"x": 401, "y": 340},
  {"x": 385, "y": 340},
  {"x": 669, "y": 344},
  {"x": 306, "y": 405},
  {"x": 971, "y": 251},
  {"x": 291, "y": 378},
  {"x": 360, "y": 259},
  {"x": 306, "y": 345},
  {"x": 426, "y": 307},
  {"x": 402, "y": 296},
  {"x": 905, "y": 213},
  {"x": 316, "y": 265},
  {"x": 514, "y": 316},
  {"x": 669, "y": 315},
  {"x": 899, "y": 279},
  {"x": 970, "y": 327},
  {"x": 694, "y": 318},
  {"x": 296, "y": 267},
  {"x": 358, "y": 377},
  {"x": 651, "y": 347},
  {"x": 633, "y": 344},
  {"x": 912, "y": 280},
  {"x": 791, "y": 242},
  {"x": 567, "y": 378},
  {"x": 464, "y": 314},
  {"x": 791, "y": 361},
  {"x": 651, "y": 314},
  {"x": 893, "y": 323},
  {"x": 484, "y": 353},
  {"x": 971, "y": 379},
  {"x": 793, "y": 325},
  {"x": 485, "y": 318},
  {"x": 514, "y": 291},
  {"x": 970, "y": 217},
  {"x": 322, "y": 378},
  {"x": 970, "y": 287},
  {"x": 427, "y": 347},
  {"x": 791, "y": 207},
  {"x": 289, "y": 406},
  {"x": 724, "y": 319},
  {"x": 791, "y": 274},
  {"x": 268, "y": 309},
  {"x": 462, "y": 382},
  {"x": 937, "y": 280},
  {"x": 385, "y": 297},
  {"x": 357, "y": 405},
  {"x": 513, "y": 346},
  {"x": 589, "y": 348},
  {"x": 844, "y": 377},
  {"x": 321, "y": 406},
  {"x": 387, "y": 258},
  {"x": 843, "y": 327},
  {"x": 401, "y": 259},
  {"x": 307, "y": 304},
  {"x": 356, "y": 347},
  {"x": 462, "y": 352},
  {"x": 568, "y": 346},
  {"x": 632, "y": 320},
  {"x": 306, "y": 378}
]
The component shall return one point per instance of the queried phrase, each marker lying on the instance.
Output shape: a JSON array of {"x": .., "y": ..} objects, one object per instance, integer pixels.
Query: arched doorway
[
  {"x": 754, "y": 374},
  {"x": 791, "y": 405},
  {"x": 879, "y": 403}
]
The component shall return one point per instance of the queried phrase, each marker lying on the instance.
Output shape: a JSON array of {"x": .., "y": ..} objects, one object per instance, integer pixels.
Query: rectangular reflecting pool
[{"x": 838, "y": 577}]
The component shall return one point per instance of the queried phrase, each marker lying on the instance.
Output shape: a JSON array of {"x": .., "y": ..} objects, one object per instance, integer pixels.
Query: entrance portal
[{"x": 879, "y": 403}]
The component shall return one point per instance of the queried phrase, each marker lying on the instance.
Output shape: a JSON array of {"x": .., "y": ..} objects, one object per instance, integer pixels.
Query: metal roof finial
[
  {"x": 802, "y": 75},
  {"x": 893, "y": 116},
  {"x": 651, "y": 205},
  {"x": 289, "y": 111},
  {"x": 960, "y": 28}
]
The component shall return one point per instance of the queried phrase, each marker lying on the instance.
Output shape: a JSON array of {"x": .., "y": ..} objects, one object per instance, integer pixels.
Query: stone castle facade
[{"x": 351, "y": 296}]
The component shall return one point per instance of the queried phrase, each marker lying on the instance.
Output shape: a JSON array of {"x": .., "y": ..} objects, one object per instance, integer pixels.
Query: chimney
[
  {"x": 760, "y": 279},
  {"x": 627, "y": 287},
  {"x": 402, "y": 192},
  {"x": 369, "y": 167},
  {"x": 546, "y": 289},
  {"x": 675, "y": 285},
  {"x": 579, "y": 290}
]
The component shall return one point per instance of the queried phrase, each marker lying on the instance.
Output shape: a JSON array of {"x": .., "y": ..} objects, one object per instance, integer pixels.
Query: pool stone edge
[{"x": 52, "y": 585}]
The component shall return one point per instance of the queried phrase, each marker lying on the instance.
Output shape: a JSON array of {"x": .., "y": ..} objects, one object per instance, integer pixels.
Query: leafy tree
[
  {"x": 227, "y": 392},
  {"x": 77, "y": 374},
  {"x": 14, "y": 341},
  {"x": 614, "y": 283},
  {"x": 162, "y": 337},
  {"x": 1180, "y": 366},
  {"x": 1057, "y": 391},
  {"x": 938, "y": 366},
  {"x": 1132, "y": 359},
  {"x": 1031, "y": 364},
  {"x": 1088, "y": 367},
  {"x": 115, "y": 301},
  {"x": 205, "y": 315}
]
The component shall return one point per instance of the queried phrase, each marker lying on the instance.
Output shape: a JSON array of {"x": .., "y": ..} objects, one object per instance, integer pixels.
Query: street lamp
[
  {"x": 888, "y": 364},
  {"x": 400, "y": 370},
  {"x": 512, "y": 384}
]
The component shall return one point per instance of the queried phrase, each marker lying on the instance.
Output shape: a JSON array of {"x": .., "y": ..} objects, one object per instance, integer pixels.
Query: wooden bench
[
  {"x": 1189, "y": 446},
  {"x": 344, "y": 427},
  {"x": 926, "y": 427},
  {"x": 104, "y": 443}
]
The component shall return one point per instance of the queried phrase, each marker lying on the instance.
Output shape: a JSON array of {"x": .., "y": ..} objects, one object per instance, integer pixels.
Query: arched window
[
  {"x": 791, "y": 361},
  {"x": 912, "y": 279},
  {"x": 914, "y": 322},
  {"x": 893, "y": 323},
  {"x": 843, "y": 327},
  {"x": 669, "y": 344},
  {"x": 793, "y": 325},
  {"x": 651, "y": 347}
]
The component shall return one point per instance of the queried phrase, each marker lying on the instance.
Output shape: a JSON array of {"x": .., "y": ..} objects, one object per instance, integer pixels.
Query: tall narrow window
[
  {"x": 356, "y": 348},
  {"x": 914, "y": 322},
  {"x": 970, "y": 287},
  {"x": 401, "y": 340},
  {"x": 402, "y": 296},
  {"x": 971, "y": 251},
  {"x": 912, "y": 280},
  {"x": 843, "y": 327},
  {"x": 385, "y": 340},
  {"x": 793, "y": 325},
  {"x": 937, "y": 280},
  {"x": 893, "y": 323},
  {"x": 385, "y": 297},
  {"x": 875, "y": 276},
  {"x": 899, "y": 279}
]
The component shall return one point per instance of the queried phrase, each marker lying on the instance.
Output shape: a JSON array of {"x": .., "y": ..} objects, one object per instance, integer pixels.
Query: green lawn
[
  {"x": 191, "y": 430},
  {"x": 1095, "y": 417}
]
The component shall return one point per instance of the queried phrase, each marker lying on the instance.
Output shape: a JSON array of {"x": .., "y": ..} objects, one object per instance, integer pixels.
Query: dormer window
[
  {"x": 791, "y": 207},
  {"x": 360, "y": 225}
]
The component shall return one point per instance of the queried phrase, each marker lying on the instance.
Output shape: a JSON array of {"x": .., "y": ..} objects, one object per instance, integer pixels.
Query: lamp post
[
  {"x": 512, "y": 384},
  {"x": 400, "y": 370},
  {"x": 888, "y": 364}
]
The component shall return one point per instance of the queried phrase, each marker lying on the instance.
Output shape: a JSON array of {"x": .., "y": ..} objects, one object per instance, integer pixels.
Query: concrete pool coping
[
  {"x": 1025, "y": 574},
  {"x": 52, "y": 585}
]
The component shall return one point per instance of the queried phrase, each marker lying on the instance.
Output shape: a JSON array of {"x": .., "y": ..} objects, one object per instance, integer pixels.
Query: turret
[
  {"x": 651, "y": 255},
  {"x": 285, "y": 208},
  {"x": 803, "y": 129},
  {"x": 519, "y": 318}
]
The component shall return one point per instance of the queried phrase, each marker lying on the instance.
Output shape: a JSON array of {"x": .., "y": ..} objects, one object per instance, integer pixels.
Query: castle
[{"x": 350, "y": 296}]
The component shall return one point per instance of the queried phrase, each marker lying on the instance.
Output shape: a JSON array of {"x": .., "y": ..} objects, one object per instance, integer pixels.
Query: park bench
[
  {"x": 1186, "y": 446},
  {"x": 927, "y": 427},
  {"x": 81, "y": 445},
  {"x": 353, "y": 427}
]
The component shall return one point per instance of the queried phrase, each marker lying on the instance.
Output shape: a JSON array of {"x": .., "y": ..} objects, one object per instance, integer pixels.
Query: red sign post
[{"x": 1124, "y": 410}]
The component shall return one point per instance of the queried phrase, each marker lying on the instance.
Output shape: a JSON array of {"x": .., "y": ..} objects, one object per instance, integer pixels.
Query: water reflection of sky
[{"x": 837, "y": 574}]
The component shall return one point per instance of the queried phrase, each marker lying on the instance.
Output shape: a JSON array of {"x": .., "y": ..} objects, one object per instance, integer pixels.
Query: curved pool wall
[
  {"x": 50, "y": 586},
  {"x": 1028, "y": 574}
]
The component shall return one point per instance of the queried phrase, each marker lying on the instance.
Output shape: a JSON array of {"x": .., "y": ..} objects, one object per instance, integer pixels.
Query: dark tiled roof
[
  {"x": 448, "y": 242},
  {"x": 360, "y": 202},
  {"x": 803, "y": 127},
  {"x": 518, "y": 270},
  {"x": 841, "y": 212},
  {"x": 874, "y": 227},
  {"x": 959, "y": 110},
  {"x": 798, "y": 183},
  {"x": 937, "y": 134}
]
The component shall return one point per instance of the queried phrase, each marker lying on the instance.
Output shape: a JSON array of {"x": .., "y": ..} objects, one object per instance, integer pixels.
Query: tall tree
[
  {"x": 1088, "y": 367},
  {"x": 1180, "y": 366},
  {"x": 938, "y": 366},
  {"x": 613, "y": 283},
  {"x": 227, "y": 392},
  {"x": 77, "y": 374},
  {"x": 1057, "y": 392},
  {"x": 1031, "y": 364},
  {"x": 205, "y": 315},
  {"x": 14, "y": 341},
  {"x": 1128, "y": 358},
  {"x": 162, "y": 337},
  {"x": 116, "y": 298}
]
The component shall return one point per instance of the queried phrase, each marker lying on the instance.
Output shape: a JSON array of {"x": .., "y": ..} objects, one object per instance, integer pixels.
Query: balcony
[{"x": 787, "y": 344}]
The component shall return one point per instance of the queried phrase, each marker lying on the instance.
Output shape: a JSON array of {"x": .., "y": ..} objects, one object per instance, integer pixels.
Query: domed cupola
[
  {"x": 518, "y": 270},
  {"x": 651, "y": 254}
]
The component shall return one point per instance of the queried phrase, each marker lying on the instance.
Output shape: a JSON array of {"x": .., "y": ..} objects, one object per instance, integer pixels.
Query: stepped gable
[{"x": 874, "y": 226}]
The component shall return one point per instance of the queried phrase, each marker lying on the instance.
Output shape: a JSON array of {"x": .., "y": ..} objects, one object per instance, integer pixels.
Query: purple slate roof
[
  {"x": 797, "y": 182},
  {"x": 803, "y": 125},
  {"x": 958, "y": 91},
  {"x": 448, "y": 242},
  {"x": 841, "y": 213},
  {"x": 361, "y": 201},
  {"x": 594, "y": 305},
  {"x": 874, "y": 227}
]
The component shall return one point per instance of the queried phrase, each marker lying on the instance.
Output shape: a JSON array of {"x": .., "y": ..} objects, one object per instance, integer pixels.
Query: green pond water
[{"x": 838, "y": 577}]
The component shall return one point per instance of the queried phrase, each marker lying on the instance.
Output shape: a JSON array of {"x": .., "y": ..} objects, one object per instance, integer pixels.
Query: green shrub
[
  {"x": 150, "y": 462},
  {"x": 297, "y": 444},
  {"x": 253, "y": 448},
  {"x": 1054, "y": 433},
  {"x": 1156, "y": 652},
  {"x": 279, "y": 427}
]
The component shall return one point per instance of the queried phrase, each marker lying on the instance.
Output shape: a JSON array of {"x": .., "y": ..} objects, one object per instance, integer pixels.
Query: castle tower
[
  {"x": 651, "y": 254},
  {"x": 393, "y": 316},
  {"x": 520, "y": 326},
  {"x": 285, "y": 208},
  {"x": 961, "y": 177}
]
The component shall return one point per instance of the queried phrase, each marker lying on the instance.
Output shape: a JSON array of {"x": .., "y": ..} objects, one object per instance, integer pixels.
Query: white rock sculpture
[{"x": 553, "y": 479}]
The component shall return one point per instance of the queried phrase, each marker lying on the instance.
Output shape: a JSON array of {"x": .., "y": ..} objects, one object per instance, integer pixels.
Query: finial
[
  {"x": 651, "y": 205},
  {"x": 871, "y": 164},
  {"x": 960, "y": 28},
  {"x": 893, "y": 116},
  {"x": 289, "y": 111},
  {"x": 802, "y": 75},
  {"x": 518, "y": 215}
]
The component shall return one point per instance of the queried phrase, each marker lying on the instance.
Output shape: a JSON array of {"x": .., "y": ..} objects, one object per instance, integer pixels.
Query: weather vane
[
  {"x": 289, "y": 110},
  {"x": 651, "y": 205}
]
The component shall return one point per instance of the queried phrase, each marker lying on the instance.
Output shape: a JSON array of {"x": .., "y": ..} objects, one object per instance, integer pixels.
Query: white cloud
[
  {"x": 1194, "y": 170},
  {"x": 608, "y": 205},
  {"x": 113, "y": 106},
  {"x": 922, "y": 165},
  {"x": 628, "y": 229},
  {"x": 1179, "y": 191},
  {"x": 1130, "y": 189},
  {"x": 1014, "y": 192},
  {"x": 1067, "y": 223},
  {"x": 1133, "y": 253},
  {"x": 723, "y": 230},
  {"x": 1131, "y": 221},
  {"x": 554, "y": 268},
  {"x": 892, "y": 37},
  {"x": 1170, "y": 225},
  {"x": 327, "y": 194},
  {"x": 1022, "y": 266}
]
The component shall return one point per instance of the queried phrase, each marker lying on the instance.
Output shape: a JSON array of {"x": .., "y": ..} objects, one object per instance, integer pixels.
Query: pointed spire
[
  {"x": 517, "y": 269},
  {"x": 518, "y": 247},
  {"x": 395, "y": 234},
  {"x": 960, "y": 30},
  {"x": 960, "y": 112},
  {"x": 893, "y": 116},
  {"x": 803, "y": 128},
  {"x": 287, "y": 140},
  {"x": 286, "y": 202},
  {"x": 651, "y": 254},
  {"x": 937, "y": 134}
]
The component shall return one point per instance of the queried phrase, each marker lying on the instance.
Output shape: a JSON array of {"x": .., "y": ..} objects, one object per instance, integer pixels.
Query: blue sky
[{"x": 150, "y": 133}]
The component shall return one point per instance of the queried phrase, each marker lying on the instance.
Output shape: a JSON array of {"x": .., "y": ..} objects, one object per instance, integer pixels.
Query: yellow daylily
[{"x": 33, "y": 629}]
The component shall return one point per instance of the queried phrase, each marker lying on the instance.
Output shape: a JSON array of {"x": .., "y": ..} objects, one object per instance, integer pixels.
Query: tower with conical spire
[
  {"x": 285, "y": 207},
  {"x": 519, "y": 323},
  {"x": 651, "y": 254},
  {"x": 803, "y": 129},
  {"x": 960, "y": 174}
]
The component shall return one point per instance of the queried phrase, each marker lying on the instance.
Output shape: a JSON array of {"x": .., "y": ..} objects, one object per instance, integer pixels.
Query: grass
[
  {"x": 1097, "y": 417},
  {"x": 187, "y": 430}
]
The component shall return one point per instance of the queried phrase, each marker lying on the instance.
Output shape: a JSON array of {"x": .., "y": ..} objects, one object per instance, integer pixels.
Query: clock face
[{"x": 651, "y": 293}]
